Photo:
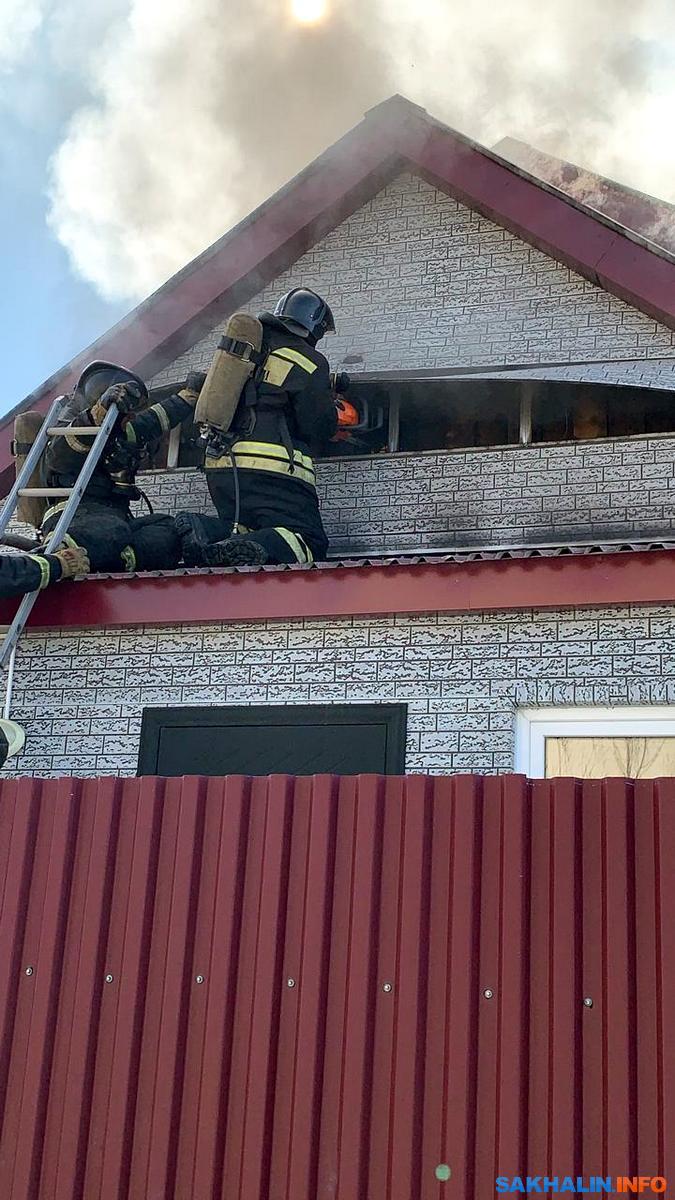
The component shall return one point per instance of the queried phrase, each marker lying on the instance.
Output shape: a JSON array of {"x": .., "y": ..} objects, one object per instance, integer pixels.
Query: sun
[{"x": 309, "y": 12}]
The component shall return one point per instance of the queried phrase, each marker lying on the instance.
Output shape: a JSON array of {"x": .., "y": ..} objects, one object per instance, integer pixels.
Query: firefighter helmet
[
  {"x": 305, "y": 314},
  {"x": 97, "y": 377}
]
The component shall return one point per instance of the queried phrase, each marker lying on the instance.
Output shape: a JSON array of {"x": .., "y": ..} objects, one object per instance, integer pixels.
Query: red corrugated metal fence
[{"x": 326, "y": 989}]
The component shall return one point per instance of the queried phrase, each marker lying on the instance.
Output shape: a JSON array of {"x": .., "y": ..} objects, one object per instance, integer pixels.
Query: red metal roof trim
[
  {"x": 646, "y": 577},
  {"x": 396, "y": 135},
  {"x": 285, "y": 989}
]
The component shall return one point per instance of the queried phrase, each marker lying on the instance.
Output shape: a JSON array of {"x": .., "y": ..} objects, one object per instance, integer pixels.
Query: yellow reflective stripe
[
  {"x": 130, "y": 433},
  {"x": 45, "y": 571},
  {"x": 76, "y": 445},
  {"x": 162, "y": 416},
  {"x": 55, "y": 508},
  {"x": 263, "y": 464},
  {"x": 296, "y": 544},
  {"x": 272, "y": 450},
  {"x": 295, "y": 356},
  {"x": 308, "y": 553},
  {"x": 128, "y": 556},
  {"x": 66, "y": 540},
  {"x": 276, "y": 371}
]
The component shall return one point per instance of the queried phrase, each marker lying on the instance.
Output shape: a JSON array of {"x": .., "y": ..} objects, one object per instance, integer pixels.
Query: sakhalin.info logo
[{"x": 586, "y": 1185}]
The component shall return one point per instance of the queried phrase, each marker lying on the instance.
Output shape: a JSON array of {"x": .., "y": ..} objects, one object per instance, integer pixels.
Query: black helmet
[
  {"x": 97, "y": 377},
  {"x": 305, "y": 313}
]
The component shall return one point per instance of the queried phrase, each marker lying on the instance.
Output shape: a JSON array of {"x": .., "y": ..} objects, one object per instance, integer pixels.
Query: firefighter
[
  {"x": 103, "y": 524},
  {"x": 262, "y": 481},
  {"x": 21, "y": 573}
]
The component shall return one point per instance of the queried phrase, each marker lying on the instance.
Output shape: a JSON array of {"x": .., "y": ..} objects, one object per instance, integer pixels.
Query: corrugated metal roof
[
  {"x": 303, "y": 989},
  {"x": 408, "y": 558}
]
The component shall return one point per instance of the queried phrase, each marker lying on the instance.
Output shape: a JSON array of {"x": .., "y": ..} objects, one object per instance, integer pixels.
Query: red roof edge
[{"x": 614, "y": 579}]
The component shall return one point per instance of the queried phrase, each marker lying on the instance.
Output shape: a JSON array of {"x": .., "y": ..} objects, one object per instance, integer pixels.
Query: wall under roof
[{"x": 288, "y": 989}]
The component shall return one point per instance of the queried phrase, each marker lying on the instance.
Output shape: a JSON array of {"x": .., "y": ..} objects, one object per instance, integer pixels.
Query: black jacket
[
  {"x": 113, "y": 480},
  {"x": 294, "y": 409},
  {"x": 22, "y": 573}
]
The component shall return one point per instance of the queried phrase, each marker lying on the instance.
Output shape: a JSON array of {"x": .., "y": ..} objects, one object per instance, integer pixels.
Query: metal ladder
[{"x": 100, "y": 434}]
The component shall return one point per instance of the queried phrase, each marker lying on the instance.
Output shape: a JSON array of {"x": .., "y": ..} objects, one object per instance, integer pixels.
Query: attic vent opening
[{"x": 412, "y": 415}]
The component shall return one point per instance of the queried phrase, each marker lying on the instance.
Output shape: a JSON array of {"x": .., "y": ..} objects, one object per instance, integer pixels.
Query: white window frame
[{"x": 534, "y": 725}]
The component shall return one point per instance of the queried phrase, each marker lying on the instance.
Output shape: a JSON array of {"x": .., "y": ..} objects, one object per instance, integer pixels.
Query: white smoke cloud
[
  {"x": 200, "y": 109},
  {"x": 20, "y": 20}
]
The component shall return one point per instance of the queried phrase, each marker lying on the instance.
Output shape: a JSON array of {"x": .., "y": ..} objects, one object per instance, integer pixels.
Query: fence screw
[
  {"x": 199, "y": 979},
  {"x": 386, "y": 987},
  {"x": 29, "y": 970},
  {"x": 290, "y": 983},
  {"x": 488, "y": 993},
  {"x": 588, "y": 1002},
  {"x": 109, "y": 978}
]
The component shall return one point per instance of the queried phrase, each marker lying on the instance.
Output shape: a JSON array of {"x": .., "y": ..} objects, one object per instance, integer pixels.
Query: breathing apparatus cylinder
[
  {"x": 27, "y": 426},
  {"x": 233, "y": 365}
]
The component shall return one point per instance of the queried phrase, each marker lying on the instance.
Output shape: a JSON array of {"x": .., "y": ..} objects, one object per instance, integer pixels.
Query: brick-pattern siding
[
  {"x": 418, "y": 280},
  {"x": 523, "y": 495},
  {"x": 81, "y": 695}
]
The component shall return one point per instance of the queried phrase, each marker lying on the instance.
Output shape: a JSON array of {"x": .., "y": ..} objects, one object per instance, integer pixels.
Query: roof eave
[{"x": 494, "y": 585}]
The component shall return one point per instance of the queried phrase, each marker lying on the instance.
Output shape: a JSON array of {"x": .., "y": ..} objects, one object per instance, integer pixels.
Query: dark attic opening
[{"x": 417, "y": 413}]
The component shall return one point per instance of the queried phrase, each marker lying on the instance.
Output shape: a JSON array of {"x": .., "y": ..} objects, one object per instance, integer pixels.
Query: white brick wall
[
  {"x": 418, "y": 280},
  {"x": 522, "y": 495},
  {"x": 81, "y": 695}
]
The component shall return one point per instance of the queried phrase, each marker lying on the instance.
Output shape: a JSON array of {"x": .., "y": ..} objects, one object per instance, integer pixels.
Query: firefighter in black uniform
[
  {"x": 264, "y": 485},
  {"x": 103, "y": 524},
  {"x": 22, "y": 573}
]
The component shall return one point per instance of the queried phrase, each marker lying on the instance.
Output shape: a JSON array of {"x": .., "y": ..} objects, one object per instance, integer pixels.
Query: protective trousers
[
  {"x": 279, "y": 513},
  {"x": 116, "y": 541}
]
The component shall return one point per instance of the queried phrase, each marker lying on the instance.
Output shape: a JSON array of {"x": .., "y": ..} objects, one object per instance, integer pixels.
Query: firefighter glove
[
  {"x": 74, "y": 561},
  {"x": 192, "y": 386},
  {"x": 127, "y": 396}
]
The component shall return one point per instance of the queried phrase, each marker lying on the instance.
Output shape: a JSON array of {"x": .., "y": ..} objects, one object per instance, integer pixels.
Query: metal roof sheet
[
  {"x": 286, "y": 989},
  {"x": 409, "y": 558}
]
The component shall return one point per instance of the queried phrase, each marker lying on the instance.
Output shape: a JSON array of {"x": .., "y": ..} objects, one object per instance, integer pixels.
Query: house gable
[{"x": 417, "y": 279}]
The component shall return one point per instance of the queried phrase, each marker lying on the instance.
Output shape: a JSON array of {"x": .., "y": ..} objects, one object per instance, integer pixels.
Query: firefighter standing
[
  {"x": 103, "y": 524},
  {"x": 264, "y": 482}
]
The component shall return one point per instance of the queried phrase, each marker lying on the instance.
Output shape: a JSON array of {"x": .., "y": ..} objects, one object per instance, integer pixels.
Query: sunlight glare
[{"x": 309, "y": 12}]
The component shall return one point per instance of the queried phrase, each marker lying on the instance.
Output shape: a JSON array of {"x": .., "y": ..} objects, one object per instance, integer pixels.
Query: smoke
[
  {"x": 19, "y": 22},
  {"x": 199, "y": 110}
]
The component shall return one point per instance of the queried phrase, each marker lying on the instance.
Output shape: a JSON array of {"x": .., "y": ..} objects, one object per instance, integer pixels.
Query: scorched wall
[{"x": 525, "y": 495}]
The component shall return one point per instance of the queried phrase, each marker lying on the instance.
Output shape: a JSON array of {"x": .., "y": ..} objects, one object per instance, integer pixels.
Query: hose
[{"x": 237, "y": 504}]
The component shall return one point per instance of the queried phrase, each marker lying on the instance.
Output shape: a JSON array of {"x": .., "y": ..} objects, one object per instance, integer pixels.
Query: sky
[{"x": 133, "y": 133}]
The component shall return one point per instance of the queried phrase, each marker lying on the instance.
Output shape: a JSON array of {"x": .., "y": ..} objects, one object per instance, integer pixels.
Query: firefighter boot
[
  {"x": 194, "y": 542},
  {"x": 240, "y": 550}
]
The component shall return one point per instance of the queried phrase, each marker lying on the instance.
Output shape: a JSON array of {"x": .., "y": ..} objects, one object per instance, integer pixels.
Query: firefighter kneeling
[
  {"x": 103, "y": 524},
  {"x": 266, "y": 406}
]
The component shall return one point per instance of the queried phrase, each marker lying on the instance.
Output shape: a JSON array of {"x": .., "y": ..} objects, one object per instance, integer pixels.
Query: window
[
  {"x": 293, "y": 739},
  {"x": 595, "y": 743}
]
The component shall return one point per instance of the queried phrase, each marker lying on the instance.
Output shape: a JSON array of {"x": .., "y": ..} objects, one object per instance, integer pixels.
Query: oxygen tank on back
[
  {"x": 27, "y": 425},
  {"x": 235, "y": 360}
]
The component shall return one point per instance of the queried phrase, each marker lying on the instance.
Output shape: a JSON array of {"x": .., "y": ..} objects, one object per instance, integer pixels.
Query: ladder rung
[
  {"x": 47, "y": 492},
  {"x": 78, "y": 430}
]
